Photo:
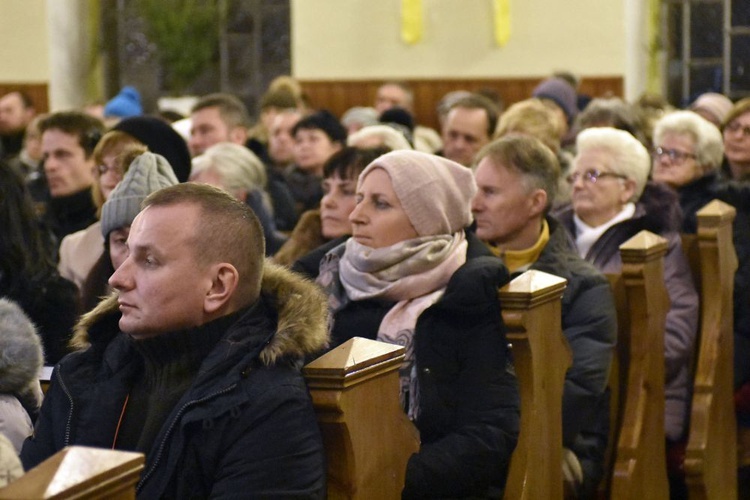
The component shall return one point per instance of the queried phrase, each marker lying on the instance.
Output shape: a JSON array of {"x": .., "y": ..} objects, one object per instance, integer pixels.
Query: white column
[
  {"x": 69, "y": 53},
  {"x": 636, "y": 47}
]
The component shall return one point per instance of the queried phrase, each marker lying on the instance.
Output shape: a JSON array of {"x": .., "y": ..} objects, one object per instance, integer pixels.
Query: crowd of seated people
[{"x": 407, "y": 233}]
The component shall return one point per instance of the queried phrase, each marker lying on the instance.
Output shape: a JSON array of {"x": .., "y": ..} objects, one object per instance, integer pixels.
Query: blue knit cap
[
  {"x": 126, "y": 103},
  {"x": 559, "y": 91}
]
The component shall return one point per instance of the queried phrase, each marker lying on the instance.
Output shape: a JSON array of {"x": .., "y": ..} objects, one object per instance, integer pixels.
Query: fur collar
[{"x": 302, "y": 327}]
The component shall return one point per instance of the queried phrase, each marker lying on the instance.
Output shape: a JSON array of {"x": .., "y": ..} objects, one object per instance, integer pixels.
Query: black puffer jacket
[
  {"x": 589, "y": 322},
  {"x": 469, "y": 406},
  {"x": 244, "y": 429}
]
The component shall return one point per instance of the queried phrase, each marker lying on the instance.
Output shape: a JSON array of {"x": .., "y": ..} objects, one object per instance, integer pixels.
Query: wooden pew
[
  {"x": 637, "y": 453},
  {"x": 531, "y": 308},
  {"x": 368, "y": 437},
  {"x": 367, "y": 456},
  {"x": 711, "y": 455},
  {"x": 80, "y": 473}
]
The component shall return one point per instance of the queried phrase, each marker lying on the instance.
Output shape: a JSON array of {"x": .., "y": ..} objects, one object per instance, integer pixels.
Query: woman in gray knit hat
[
  {"x": 411, "y": 275},
  {"x": 147, "y": 173}
]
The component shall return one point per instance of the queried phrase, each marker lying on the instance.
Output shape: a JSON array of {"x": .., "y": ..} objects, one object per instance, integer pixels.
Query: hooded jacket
[
  {"x": 244, "y": 428},
  {"x": 20, "y": 363},
  {"x": 658, "y": 211}
]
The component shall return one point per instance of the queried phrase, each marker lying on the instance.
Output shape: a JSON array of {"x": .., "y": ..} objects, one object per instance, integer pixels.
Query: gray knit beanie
[
  {"x": 434, "y": 192},
  {"x": 148, "y": 173}
]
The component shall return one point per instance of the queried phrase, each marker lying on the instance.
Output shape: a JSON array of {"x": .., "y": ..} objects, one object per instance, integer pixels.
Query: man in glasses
[{"x": 517, "y": 179}]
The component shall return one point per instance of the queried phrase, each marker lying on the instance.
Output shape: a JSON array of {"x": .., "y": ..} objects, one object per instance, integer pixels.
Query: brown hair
[
  {"x": 536, "y": 163},
  {"x": 740, "y": 108},
  {"x": 227, "y": 231}
]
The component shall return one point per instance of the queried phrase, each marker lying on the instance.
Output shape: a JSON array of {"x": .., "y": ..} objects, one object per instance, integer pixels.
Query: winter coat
[
  {"x": 244, "y": 428},
  {"x": 79, "y": 252},
  {"x": 695, "y": 196},
  {"x": 307, "y": 236},
  {"x": 20, "y": 366},
  {"x": 658, "y": 211},
  {"x": 589, "y": 323},
  {"x": 469, "y": 403}
]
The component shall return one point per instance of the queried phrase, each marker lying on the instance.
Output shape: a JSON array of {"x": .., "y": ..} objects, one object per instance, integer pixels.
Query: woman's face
[
  {"x": 118, "y": 249},
  {"x": 109, "y": 172},
  {"x": 674, "y": 160},
  {"x": 312, "y": 148},
  {"x": 378, "y": 220},
  {"x": 336, "y": 206},
  {"x": 737, "y": 139},
  {"x": 598, "y": 194}
]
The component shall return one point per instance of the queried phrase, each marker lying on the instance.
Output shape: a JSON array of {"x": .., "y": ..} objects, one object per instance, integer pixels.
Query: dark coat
[
  {"x": 469, "y": 403},
  {"x": 589, "y": 323},
  {"x": 658, "y": 211},
  {"x": 695, "y": 196},
  {"x": 244, "y": 429}
]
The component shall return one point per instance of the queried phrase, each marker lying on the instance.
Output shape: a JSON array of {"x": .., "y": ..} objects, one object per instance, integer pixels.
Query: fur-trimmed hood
[
  {"x": 21, "y": 355},
  {"x": 301, "y": 307}
]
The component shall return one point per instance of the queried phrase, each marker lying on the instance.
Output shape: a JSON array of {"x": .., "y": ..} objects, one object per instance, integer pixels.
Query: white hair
[
  {"x": 707, "y": 140},
  {"x": 388, "y": 136},
  {"x": 629, "y": 157}
]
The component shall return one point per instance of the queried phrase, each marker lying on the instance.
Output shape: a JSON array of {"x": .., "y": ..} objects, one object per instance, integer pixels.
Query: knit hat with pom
[
  {"x": 434, "y": 192},
  {"x": 147, "y": 174}
]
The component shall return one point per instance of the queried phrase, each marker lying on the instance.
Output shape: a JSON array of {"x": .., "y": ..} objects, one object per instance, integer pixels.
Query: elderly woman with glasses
[
  {"x": 612, "y": 201},
  {"x": 688, "y": 156}
]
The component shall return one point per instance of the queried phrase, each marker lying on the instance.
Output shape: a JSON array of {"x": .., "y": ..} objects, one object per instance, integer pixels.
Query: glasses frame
[
  {"x": 735, "y": 126},
  {"x": 592, "y": 175},
  {"x": 675, "y": 155}
]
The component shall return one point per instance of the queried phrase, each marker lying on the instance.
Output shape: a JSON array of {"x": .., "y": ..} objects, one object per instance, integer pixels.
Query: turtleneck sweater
[{"x": 171, "y": 364}]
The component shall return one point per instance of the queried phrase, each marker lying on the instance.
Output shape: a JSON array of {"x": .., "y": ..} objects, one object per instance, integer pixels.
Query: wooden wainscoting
[
  {"x": 36, "y": 91},
  {"x": 339, "y": 95}
]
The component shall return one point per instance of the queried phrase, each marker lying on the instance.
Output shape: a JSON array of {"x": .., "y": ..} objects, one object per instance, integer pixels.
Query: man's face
[
  {"x": 391, "y": 96},
  {"x": 207, "y": 128},
  {"x": 161, "y": 284},
  {"x": 281, "y": 140},
  {"x": 65, "y": 164},
  {"x": 464, "y": 134},
  {"x": 502, "y": 207},
  {"x": 14, "y": 116}
]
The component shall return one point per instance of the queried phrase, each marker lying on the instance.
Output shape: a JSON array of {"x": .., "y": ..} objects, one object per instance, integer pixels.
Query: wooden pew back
[
  {"x": 711, "y": 455},
  {"x": 531, "y": 308},
  {"x": 368, "y": 438},
  {"x": 80, "y": 473},
  {"x": 637, "y": 452}
]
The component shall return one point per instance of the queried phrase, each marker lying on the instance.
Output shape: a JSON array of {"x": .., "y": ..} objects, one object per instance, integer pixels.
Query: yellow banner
[
  {"x": 502, "y": 21},
  {"x": 412, "y": 23}
]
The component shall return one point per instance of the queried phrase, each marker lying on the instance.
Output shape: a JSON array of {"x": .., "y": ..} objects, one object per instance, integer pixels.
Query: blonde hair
[
  {"x": 389, "y": 137},
  {"x": 532, "y": 117}
]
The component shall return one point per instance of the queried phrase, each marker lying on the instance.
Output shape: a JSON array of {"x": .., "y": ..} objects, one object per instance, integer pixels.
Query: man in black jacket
[
  {"x": 195, "y": 360},
  {"x": 517, "y": 178}
]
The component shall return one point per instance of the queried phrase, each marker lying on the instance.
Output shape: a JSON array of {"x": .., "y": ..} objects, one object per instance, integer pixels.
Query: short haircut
[
  {"x": 239, "y": 168},
  {"x": 347, "y": 163},
  {"x": 477, "y": 101},
  {"x": 227, "y": 231},
  {"x": 408, "y": 90},
  {"x": 531, "y": 158},
  {"x": 85, "y": 127},
  {"x": 630, "y": 158},
  {"x": 26, "y": 100},
  {"x": 532, "y": 117},
  {"x": 740, "y": 108},
  {"x": 707, "y": 139},
  {"x": 612, "y": 112},
  {"x": 324, "y": 121},
  {"x": 232, "y": 110}
]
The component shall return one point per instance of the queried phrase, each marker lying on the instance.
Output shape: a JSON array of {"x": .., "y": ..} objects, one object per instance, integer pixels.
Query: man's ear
[
  {"x": 238, "y": 135},
  {"x": 537, "y": 202},
  {"x": 225, "y": 282}
]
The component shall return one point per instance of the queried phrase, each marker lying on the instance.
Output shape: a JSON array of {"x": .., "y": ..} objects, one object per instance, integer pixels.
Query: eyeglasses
[
  {"x": 735, "y": 126},
  {"x": 674, "y": 155},
  {"x": 115, "y": 169},
  {"x": 593, "y": 175}
]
